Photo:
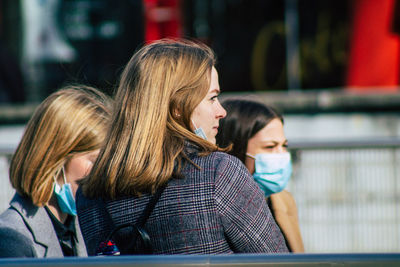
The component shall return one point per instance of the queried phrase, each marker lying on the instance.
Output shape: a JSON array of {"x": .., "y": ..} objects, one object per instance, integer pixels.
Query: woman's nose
[
  {"x": 280, "y": 149},
  {"x": 221, "y": 112}
]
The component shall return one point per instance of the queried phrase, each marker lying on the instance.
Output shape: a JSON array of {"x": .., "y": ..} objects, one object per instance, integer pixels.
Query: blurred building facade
[{"x": 261, "y": 45}]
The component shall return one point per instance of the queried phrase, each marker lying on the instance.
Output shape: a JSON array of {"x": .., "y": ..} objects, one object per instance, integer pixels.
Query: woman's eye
[{"x": 269, "y": 147}]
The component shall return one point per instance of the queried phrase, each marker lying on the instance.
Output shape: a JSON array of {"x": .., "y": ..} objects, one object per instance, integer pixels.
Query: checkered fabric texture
[{"x": 212, "y": 210}]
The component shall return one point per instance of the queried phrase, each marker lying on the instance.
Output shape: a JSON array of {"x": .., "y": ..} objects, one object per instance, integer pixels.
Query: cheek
[
  {"x": 202, "y": 114},
  {"x": 86, "y": 166},
  {"x": 78, "y": 169}
]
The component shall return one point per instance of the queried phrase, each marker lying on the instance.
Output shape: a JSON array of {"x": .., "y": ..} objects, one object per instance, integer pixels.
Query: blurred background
[{"x": 331, "y": 67}]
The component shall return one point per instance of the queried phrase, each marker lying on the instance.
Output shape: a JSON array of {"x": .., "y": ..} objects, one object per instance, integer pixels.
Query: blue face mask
[
  {"x": 272, "y": 171},
  {"x": 199, "y": 131},
  {"x": 65, "y": 198}
]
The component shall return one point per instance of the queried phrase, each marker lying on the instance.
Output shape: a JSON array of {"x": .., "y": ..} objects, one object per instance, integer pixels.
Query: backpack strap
[
  {"x": 152, "y": 203},
  {"x": 138, "y": 227}
]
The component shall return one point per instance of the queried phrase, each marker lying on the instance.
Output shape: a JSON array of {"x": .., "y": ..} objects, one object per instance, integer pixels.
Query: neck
[{"x": 54, "y": 208}]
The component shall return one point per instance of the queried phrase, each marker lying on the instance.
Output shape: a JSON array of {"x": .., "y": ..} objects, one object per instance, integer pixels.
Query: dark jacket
[
  {"x": 215, "y": 209},
  {"x": 35, "y": 236}
]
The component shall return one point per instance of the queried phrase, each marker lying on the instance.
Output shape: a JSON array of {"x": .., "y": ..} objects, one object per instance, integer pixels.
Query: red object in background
[
  {"x": 374, "y": 48},
  {"x": 162, "y": 19}
]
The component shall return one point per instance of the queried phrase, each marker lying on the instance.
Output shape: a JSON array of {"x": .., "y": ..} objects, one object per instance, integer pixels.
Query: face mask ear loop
[
  {"x": 56, "y": 174},
  {"x": 250, "y": 156},
  {"x": 63, "y": 172},
  {"x": 195, "y": 127}
]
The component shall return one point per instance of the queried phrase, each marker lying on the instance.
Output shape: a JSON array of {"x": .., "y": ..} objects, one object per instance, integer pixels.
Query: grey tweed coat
[{"x": 212, "y": 210}]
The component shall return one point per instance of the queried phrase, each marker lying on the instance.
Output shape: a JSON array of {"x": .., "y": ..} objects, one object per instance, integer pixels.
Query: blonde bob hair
[
  {"x": 70, "y": 121},
  {"x": 159, "y": 89}
]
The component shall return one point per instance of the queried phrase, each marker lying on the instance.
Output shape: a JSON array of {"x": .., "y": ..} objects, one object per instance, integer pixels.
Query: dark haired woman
[{"x": 256, "y": 132}]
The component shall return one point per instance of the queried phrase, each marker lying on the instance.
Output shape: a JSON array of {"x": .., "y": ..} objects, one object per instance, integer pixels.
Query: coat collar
[
  {"x": 191, "y": 148},
  {"x": 39, "y": 223}
]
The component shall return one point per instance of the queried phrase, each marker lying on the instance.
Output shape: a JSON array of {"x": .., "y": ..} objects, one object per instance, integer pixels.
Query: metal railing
[
  {"x": 347, "y": 195},
  {"x": 239, "y": 260}
]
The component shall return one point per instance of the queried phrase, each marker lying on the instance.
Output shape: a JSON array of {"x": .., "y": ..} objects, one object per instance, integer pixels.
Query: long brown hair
[
  {"x": 69, "y": 121},
  {"x": 158, "y": 91}
]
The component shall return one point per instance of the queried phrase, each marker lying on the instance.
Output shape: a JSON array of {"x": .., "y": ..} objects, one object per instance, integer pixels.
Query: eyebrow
[
  {"x": 272, "y": 141},
  {"x": 218, "y": 91}
]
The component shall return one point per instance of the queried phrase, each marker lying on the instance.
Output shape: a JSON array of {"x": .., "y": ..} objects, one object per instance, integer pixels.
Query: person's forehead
[{"x": 271, "y": 130}]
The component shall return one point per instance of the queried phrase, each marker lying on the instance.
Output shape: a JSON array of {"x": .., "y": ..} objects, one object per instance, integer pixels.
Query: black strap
[
  {"x": 138, "y": 228},
  {"x": 149, "y": 209}
]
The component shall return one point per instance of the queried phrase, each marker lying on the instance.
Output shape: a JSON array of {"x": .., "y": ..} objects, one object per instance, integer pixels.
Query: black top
[{"x": 66, "y": 233}]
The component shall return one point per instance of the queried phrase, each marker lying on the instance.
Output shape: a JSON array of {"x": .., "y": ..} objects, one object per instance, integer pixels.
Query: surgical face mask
[
  {"x": 65, "y": 198},
  {"x": 272, "y": 171},
  {"x": 199, "y": 131}
]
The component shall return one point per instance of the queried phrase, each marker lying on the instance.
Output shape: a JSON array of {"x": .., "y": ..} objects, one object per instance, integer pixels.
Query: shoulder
[
  {"x": 232, "y": 178},
  {"x": 29, "y": 222},
  {"x": 87, "y": 208},
  {"x": 15, "y": 244},
  {"x": 224, "y": 172},
  {"x": 214, "y": 160},
  {"x": 23, "y": 214},
  {"x": 82, "y": 200},
  {"x": 227, "y": 160},
  {"x": 286, "y": 196},
  {"x": 12, "y": 218},
  {"x": 219, "y": 161},
  {"x": 219, "y": 166},
  {"x": 15, "y": 237},
  {"x": 284, "y": 201},
  {"x": 229, "y": 166}
]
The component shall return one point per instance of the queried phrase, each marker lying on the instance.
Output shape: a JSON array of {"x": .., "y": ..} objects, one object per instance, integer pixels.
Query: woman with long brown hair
[{"x": 164, "y": 123}]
